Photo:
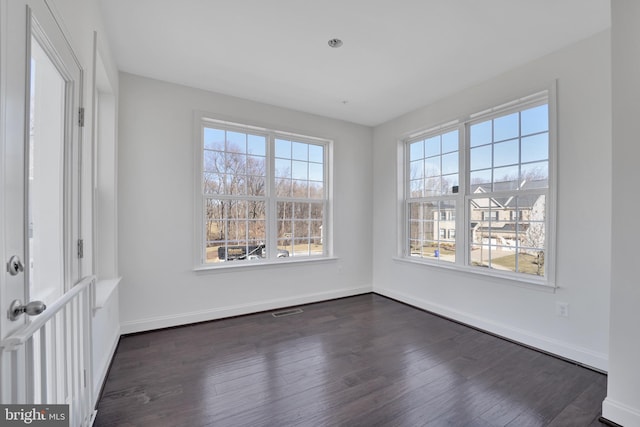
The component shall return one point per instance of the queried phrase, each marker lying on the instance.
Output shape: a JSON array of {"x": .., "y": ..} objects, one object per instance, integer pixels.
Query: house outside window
[
  {"x": 263, "y": 195},
  {"x": 504, "y": 195}
]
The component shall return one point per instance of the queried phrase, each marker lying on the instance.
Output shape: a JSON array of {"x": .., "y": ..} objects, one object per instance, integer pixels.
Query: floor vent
[{"x": 287, "y": 312}]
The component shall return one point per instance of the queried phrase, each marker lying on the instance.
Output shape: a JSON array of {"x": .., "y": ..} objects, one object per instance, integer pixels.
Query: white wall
[
  {"x": 622, "y": 404},
  {"x": 523, "y": 313},
  {"x": 156, "y": 212}
]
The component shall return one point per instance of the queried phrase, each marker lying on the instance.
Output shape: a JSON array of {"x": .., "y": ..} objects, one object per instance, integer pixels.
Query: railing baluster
[
  {"x": 29, "y": 371},
  {"x": 53, "y": 349},
  {"x": 44, "y": 371}
]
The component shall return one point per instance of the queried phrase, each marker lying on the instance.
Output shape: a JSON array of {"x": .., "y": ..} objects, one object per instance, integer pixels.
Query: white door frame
[{"x": 19, "y": 19}]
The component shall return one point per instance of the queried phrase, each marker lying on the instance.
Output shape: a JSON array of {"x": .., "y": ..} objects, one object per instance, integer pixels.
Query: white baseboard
[
  {"x": 159, "y": 322},
  {"x": 104, "y": 369},
  {"x": 620, "y": 413},
  {"x": 581, "y": 355}
]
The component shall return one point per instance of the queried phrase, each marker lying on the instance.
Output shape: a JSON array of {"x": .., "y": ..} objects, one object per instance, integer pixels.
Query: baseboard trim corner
[
  {"x": 617, "y": 414},
  {"x": 159, "y": 322},
  {"x": 579, "y": 355}
]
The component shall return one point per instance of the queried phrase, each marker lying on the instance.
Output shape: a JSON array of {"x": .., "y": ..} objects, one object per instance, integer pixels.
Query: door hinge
[
  {"x": 80, "y": 248},
  {"x": 81, "y": 117}
]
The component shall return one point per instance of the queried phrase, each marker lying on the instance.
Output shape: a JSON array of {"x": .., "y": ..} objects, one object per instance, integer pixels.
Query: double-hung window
[
  {"x": 262, "y": 195},
  {"x": 433, "y": 182},
  {"x": 491, "y": 171}
]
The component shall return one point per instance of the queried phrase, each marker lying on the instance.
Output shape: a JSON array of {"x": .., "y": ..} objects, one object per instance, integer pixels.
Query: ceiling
[{"x": 397, "y": 55}]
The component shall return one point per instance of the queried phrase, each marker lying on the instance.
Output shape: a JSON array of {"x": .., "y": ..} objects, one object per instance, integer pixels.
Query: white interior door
[{"x": 40, "y": 98}]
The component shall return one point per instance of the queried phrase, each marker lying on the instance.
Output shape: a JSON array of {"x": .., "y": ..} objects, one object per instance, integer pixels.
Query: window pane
[
  {"x": 416, "y": 188},
  {"x": 506, "y": 153},
  {"x": 301, "y": 247},
  {"x": 416, "y": 150},
  {"x": 448, "y": 182},
  {"x": 432, "y": 186},
  {"x": 236, "y": 142},
  {"x": 301, "y": 210},
  {"x": 536, "y": 172},
  {"x": 300, "y": 189},
  {"x": 257, "y": 145},
  {"x": 213, "y": 161},
  {"x": 233, "y": 163},
  {"x": 432, "y": 146},
  {"x": 480, "y": 134},
  {"x": 481, "y": 157},
  {"x": 480, "y": 177},
  {"x": 316, "y": 189},
  {"x": 316, "y": 211},
  {"x": 432, "y": 167},
  {"x": 447, "y": 225},
  {"x": 316, "y": 153},
  {"x": 256, "y": 166},
  {"x": 236, "y": 184},
  {"x": 283, "y": 149},
  {"x": 284, "y": 187},
  {"x": 285, "y": 211},
  {"x": 316, "y": 171},
  {"x": 214, "y": 139},
  {"x": 283, "y": 168},
  {"x": 450, "y": 142},
  {"x": 417, "y": 169},
  {"x": 213, "y": 183},
  {"x": 505, "y": 178},
  {"x": 300, "y": 170},
  {"x": 256, "y": 185},
  {"x": 535, "y": 120},
  {"x": 450, "y": 163},
  {"x": 506, "y": 127},
  {"x": 300, "y": 151},
  {"x": 301, "y": 228},
  {"x": 535, "y": 148}
]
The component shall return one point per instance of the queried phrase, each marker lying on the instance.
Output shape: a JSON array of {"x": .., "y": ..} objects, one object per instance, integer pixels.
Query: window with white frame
[
  {"x": 431, "y": 200},
  {"x": 263, "y": 194},
  {"x": 504, "y": 202}
]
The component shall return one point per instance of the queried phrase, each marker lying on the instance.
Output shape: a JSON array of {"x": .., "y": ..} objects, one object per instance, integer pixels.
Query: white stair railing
[{"x": 50, "y": 357}]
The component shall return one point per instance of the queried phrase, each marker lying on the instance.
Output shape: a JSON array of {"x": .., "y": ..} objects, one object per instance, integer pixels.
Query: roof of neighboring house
[
  {"x": 506, "y": 228},
  {"x": 525, "y": 201}
]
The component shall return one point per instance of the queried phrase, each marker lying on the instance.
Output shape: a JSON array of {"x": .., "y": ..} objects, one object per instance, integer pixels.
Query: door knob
[
  {"x": 15, "y": 266},
  {"x": 32, "y": 309}
]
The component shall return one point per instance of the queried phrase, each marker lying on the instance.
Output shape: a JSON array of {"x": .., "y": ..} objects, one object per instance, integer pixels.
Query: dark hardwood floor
[{"x": 359, "y": 361}]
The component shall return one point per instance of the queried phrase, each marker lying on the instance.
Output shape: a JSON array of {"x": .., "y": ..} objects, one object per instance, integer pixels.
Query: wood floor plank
[{"x": 358, "y": 361}]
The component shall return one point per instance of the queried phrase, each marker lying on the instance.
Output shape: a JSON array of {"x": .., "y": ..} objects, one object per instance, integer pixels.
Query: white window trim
[
  {"x": 462, "y": 123},
  {"x": 201, "y": 119}
]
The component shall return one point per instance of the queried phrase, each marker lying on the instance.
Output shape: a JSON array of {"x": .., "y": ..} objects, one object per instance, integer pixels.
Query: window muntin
[
  {"x": 264, "y": 195},
  {"x": 506, "y": 195}
]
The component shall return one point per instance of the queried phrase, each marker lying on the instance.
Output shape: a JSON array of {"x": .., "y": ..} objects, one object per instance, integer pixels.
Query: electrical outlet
[{"x": 562, "y": 309}]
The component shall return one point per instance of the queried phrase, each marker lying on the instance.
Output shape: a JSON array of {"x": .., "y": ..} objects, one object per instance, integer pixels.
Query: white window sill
[
  {"x": 254, "y": 264},
  {"x": 104, "y": 289},
  {"x": 528, "y": 282}
]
